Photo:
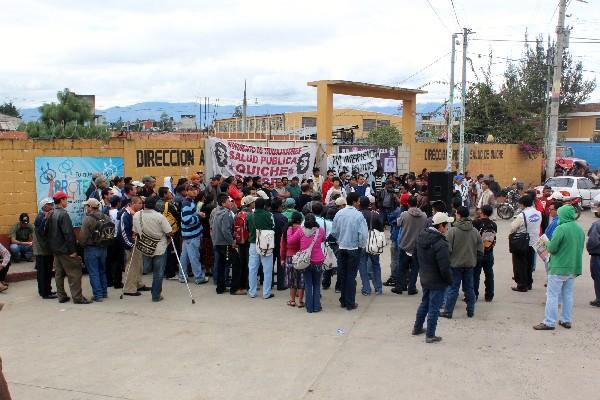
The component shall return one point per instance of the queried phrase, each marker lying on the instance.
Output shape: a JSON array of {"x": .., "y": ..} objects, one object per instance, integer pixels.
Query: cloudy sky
[{"x": 128, "y": 51}]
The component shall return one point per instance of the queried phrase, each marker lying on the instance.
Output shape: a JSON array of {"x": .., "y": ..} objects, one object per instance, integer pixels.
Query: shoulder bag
[
  {"x": 301, "y": 260},
  {"x": 146, "y": 243},
  {"x": 376, "y": 241},
  {"x": 518, "y": 242}
]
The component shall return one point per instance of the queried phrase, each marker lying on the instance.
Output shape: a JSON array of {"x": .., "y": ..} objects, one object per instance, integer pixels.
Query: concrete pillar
[
  {"x": 324, "y": 117},
  {"x": 409, "y": 124}
]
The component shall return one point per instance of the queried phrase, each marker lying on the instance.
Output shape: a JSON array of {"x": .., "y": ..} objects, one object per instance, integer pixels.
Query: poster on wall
[
  {"x": 363, "y": 162},
  {"x": 387, "y": 156},
  {"x": 72, "y": 175},
  {"x": 278, "y": 160}
]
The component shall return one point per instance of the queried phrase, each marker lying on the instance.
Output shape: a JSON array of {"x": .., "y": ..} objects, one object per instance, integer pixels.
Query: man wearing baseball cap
[
  {"x": 432, "y": 256},
  {"x": 41, "y": 251},
  {"x": 94, "y": 253},
  {"x": 21, "y": 237},
  {"x": 62, "y": 243},
  {"x": 148, "y": 189}
]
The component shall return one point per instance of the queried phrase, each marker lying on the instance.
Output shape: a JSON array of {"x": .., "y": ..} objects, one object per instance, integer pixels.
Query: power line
[
  {"x": 455, "y": 15},
  {"x": 423, "y": 69},
  {"x": 437, "y": 15}
]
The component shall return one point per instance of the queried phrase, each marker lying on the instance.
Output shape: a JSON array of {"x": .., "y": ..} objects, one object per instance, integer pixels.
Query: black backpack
[{"x": 104, "y": 231}]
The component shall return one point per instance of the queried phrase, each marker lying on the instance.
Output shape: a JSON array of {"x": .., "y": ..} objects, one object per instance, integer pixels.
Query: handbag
[
  {"x": 301, "y": 260},
  {"x": 518, "y": 242},
  {"x": 330, "y": 261},
  {"x": 376, "y": 241},
  {"x": 146, "y": 243},
  {"x": 265, "y": 242}
]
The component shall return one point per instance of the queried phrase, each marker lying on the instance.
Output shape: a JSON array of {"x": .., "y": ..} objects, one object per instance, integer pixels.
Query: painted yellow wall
[
  {"x": 581, "y": 127},
  {"x": 17, "y": 162},
  {"x": 504, "y": 161}
]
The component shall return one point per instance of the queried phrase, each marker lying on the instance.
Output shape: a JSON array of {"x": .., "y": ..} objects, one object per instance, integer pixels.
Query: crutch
[
  {"x": 128, "y": 268},
  {"x": 182, "y": 272}
]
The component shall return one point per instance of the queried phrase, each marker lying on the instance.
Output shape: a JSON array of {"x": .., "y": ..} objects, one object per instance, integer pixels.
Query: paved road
[{"x": 229, "y": 347}]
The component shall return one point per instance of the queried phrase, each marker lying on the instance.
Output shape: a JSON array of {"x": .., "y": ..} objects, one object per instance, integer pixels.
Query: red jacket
[
  {"x": 235, "y": 194},
  {"x": 327, "y": 184}
]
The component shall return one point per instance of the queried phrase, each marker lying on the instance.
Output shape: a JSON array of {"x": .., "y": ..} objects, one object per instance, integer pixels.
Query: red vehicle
[{"x": 565, "y": 161}]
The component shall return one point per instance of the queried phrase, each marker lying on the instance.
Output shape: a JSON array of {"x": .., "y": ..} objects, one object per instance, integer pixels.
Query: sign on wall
[
  {"x": 229, "y": 158},
  {"x": 73, "y": 176},
  {"x": 387, "y": 156},
  {"x": 363, "y": 162}
]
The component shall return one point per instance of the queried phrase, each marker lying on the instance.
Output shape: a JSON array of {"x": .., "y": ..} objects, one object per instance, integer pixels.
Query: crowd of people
[{"x": 299, "y": 236}]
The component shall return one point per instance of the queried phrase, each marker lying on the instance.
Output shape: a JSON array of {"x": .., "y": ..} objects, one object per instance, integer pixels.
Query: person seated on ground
[
  {"x": 4, "y": 266},
  {"x": 21, "y": 239}
]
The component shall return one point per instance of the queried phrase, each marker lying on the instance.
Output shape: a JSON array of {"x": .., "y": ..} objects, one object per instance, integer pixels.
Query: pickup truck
[{"x": 574, "y": 186}]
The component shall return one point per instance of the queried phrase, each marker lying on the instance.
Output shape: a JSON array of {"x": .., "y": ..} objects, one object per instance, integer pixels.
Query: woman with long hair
[
  {"x": 294, "y": 278},
  {"x": 311, "y": 234}
]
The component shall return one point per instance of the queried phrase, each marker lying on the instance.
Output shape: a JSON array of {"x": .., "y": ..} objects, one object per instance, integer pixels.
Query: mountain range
[{"x": 153, "y": 110}]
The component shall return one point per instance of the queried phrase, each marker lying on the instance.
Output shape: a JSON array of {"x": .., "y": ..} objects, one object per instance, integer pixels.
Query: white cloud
[{"x": 131, "y": 51}]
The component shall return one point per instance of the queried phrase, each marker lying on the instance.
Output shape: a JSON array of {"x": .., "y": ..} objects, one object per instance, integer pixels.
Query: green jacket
[
  {"x": 259, "y": 219},
  {"x": 288, "y": 212},
  {"x": 566, "y": 246}
]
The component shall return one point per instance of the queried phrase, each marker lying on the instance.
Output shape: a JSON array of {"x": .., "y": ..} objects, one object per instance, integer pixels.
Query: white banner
[
  {"x": 364, "y": 162},
  {"x": 280, "y": 159}
]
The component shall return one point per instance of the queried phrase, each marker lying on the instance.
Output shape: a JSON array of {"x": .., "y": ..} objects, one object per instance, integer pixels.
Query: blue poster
[{"x": 73, "y": 176}]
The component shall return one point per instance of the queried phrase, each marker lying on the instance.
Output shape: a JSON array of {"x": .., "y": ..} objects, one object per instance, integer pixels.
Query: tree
[
  {"x": 166, "y": 122},
  {"x": 69, "y": 108},
  {"x": 9, "y": 109},
  {"x": 385, "y": 136}
]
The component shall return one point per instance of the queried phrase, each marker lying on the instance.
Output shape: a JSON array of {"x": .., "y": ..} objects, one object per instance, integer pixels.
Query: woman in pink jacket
[
  {"x": 294, "y": 278},
  {"x": 304, "y": 237}
]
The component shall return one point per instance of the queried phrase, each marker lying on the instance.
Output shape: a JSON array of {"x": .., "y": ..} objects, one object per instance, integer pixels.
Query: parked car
[{"x": 574, "y": 187}]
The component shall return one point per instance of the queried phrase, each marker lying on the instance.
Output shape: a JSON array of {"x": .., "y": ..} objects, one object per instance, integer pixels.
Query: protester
[
  {"x": 167, "y": 207},
  {"x": 307, "y": 236},
  {"x": 294, "y": 188},
  {"x": 259, "y": 220},
  {"x": 289, "y": 206},
  {"x": 486, "y": 197},
  {"x": 487, "y": 230},
  {"x": 62, "y": 243},
  {"x": 317, "y": 180},
  {"x": 374, "y": 222},
  {"x": 281, "y": 222},
  {"x": 593, "y": 248},
  {"x": 41, "y": 252},
  {"x": 133, "y": 285},
  {"x": 351, "y": 231},
  {"x": 4, "y": 267},
  {"x": 412, "y": 223},
  {"x": 21, "y": 238},
  {"x": 336, "y": 187},
  {"x": 565, "y": 247},
  {"x": 94, "y": 250},
  {"x": 191, "y": 233},
  {"x": 148, "y": 188},
  {"x": 223, "y": 239},
  {"x": 305, "y": 197},
  {"x": 433, "y": 260},
  {"x": 233, "y": 191},
  {"x": 362, "y": 188},
  {"x": 494, "y": 186},
  {"x": 114, "y": 253},
  {"x": 242, "y": 237},
  {"x": 327, "y": 224},
  {"x": 528, "y": 221},
  {"x": 155, "y": 225},
  {"x": 465, "y": 247},
  {"x": 461, "y": 190}
]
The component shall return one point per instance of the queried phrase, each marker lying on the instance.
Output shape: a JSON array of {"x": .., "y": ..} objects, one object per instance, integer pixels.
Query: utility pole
[
  {"x": 450, "y": 107},
  {"x": 558, "y": 57},
  {"x": 244, "y": 110},
  {"x": 549, "y": 62},
  {"x": 461, "y": 147}
]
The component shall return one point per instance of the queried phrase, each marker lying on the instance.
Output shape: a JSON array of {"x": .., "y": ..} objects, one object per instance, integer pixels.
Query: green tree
[
  {"x": 166, "y": 122},
  {"x": 69, "y": 108},
  {"x": 385, "y": 136},
  {"x": 9, "y": 109}
]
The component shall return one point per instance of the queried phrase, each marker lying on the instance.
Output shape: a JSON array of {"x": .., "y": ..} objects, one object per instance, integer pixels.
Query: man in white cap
[
  {"x": 432, "y": 256},
  {"x": 41, "y": 251}
]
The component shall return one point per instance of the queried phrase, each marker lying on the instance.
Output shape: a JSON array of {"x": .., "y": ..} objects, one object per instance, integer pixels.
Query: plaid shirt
[{"x": 4, "y": 256}]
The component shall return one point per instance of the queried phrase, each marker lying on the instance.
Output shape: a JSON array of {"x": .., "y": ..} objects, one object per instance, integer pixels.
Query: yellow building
[
  {"x": 582, "y": 124},
  {"x": 305, "y": 123}
]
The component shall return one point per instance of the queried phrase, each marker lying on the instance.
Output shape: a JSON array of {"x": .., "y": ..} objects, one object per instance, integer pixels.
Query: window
[
  {"x": 309, "y": 122},
  {"x": 562, "y": 124},
  {"x": 559, "y": 182},
  {"x": 383, "y": 122},
  {"x": 584, "y": 183},
  {"x": 368, "y": 125},
  {"x": 598, "y": 124}
]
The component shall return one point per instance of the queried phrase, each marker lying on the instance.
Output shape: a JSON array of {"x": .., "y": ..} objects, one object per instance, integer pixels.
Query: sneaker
[
  {"x": 445, "y": 314},
  {"x": 97, "y": 299},
  {"x": 240, "y": 292},
  {"x": 64, "y": 300},
  {"x": 433, "y": 339},
  {"x": 365, "y": 293},
  {"x": 83, "y": 301},
  {"x": 416, "y": 331},
  {"x": 595, "y": 303},
  {"x": 413, "y": 292},
  {"x": 202, "y": 281},
  {"x": 566, "y": 325},
  {"x": 144, "y": 289},
  {"x": 132, "y": 294},
  {"x": 269, "y": 296},
  {"x": 543, "y": 327},
  {"x": 159, "y": 299},
  {"x": 389, "y": 282},
  {"x": 470, "y": 314},
  {"x": 397, "y": 290}
]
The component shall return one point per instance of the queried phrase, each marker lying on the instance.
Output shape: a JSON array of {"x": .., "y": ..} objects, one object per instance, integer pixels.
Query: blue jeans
[
  {"x": 430, "y": 308},
  {"x": 464, "y": 275},
  {"x": 560, "y": 288},
  {"x": 595, "y": 271},
  {"x": 404, "y": 264},
  {"x": 347, "y": 268},
  {"x": 312, "y": 288},
  {"x": 191, "y": 254},
  {"x": 156, "y": 265},
  {"x": 19, "y": 251},
  {"x": 95, "y": 262},
  {"x": 487, "y": 266},
  {"x": 254, "y": 261},
  {"x": 364, "y": 272}
]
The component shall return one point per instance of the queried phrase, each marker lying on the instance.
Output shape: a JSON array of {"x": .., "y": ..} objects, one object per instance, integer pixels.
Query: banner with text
[
  {"x": 72, "y": 175},
  {"x": 387, "y": 156},
  {"x": 363, "y": 162},
  {"x": 240, "y": 159}
]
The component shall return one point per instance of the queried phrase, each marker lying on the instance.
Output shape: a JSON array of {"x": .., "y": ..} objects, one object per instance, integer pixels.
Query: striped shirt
[{"x": 191, "y": 226}]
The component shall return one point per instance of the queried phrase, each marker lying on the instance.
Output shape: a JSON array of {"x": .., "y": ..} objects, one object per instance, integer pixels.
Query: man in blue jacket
[{"x": 191, "y": 234}]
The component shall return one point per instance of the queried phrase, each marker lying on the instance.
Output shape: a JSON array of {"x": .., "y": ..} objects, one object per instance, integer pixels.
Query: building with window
[
  {"x": 582, "y": 124},
  {"x": 304, "y": 123}
]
